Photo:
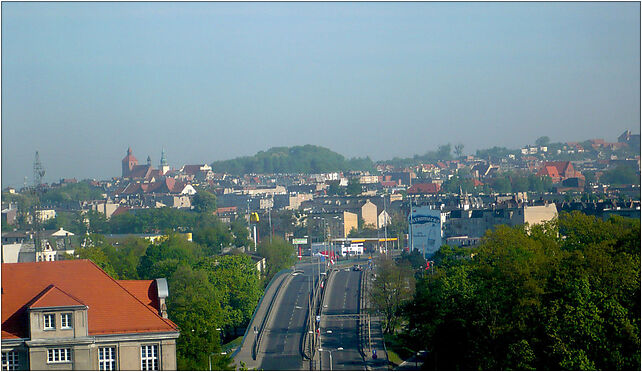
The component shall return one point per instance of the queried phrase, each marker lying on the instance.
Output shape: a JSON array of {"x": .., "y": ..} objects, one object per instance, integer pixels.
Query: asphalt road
[
  {"x": 341, "y": 298},
  {"x": 281, "y": 344}
]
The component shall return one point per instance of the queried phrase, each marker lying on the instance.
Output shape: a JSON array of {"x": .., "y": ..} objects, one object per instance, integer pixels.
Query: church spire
[
  {"x": 164, "y": 167},
  {"x": 163, "y": 160}
]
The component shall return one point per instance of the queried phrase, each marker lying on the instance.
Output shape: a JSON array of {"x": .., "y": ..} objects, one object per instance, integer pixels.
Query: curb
[{"x": 257, "y": 345}]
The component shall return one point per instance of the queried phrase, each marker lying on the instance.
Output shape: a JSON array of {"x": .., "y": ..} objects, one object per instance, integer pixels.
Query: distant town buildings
[{"x": 473, "y": 192}]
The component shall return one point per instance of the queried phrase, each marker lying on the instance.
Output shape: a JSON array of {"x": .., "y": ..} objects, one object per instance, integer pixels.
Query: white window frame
[
  {"x": 149, "y": 360},
  {"x": 59, "y": 355},
  {"x": 49, "y": 322},
  {"x": 10, "y": 361},
  {"x": 66, "y": 323},
  {"x": 107, "y": 358}
]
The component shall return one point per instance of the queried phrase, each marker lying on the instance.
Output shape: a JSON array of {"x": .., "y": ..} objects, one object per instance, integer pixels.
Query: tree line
[
  {"x": 296, "y": 159},
  {"x": 562, "y": 295}
]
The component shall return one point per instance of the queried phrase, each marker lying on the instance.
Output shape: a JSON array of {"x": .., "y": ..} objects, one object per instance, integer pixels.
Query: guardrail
[
  {"x": 258, "y": 305},
  {"x": 257, "y": 342},
  {"x": 306, "y": 335},
  {"x": 360, "y": 322},
  {"x": 320, "y": 304}
]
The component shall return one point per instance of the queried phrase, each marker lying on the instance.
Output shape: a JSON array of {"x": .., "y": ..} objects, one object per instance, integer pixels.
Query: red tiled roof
[
  {"x": 120, "y": 210},
  {"x": 548, "y": 171},
  {"x": 132, "y": 188},
  {"x": 226, "y": 209},
  {"x": 192, "y": 169},
  {"x": 171, "y": 184},
  {"x": 140, "y": 171},
  {"x": 556, "y": 169},
  {"x": 424, "y": 188},
  {"x": 53, "y": 297},
  {"x": 129, "y": 158},
  {"x": 112, "y": 308},
  {"x": 144, "y": 290},
  {"x": 389, "y": 183}
]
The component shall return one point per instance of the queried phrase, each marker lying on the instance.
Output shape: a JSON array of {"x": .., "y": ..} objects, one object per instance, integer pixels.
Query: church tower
[
  {"x": 164, "y": 167},
  {"x": 129, "y": 162}
]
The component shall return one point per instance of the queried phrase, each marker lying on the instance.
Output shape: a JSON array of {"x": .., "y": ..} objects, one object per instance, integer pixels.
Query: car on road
[{"x": 356, "y": 268}]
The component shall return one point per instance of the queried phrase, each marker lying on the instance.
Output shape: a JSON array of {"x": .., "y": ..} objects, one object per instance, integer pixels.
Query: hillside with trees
[
  {"x": 444, "y": 152},
  {"x": 296, "y": 159}
]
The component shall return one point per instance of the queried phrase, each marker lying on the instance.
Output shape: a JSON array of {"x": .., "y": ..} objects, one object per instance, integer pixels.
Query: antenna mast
[{"x": 38, "y": 174}]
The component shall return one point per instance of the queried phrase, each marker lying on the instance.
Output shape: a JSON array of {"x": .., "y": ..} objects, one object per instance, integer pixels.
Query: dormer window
[
  {"x": 65, "y": 321},
  {"x": 49, "y": 321}
]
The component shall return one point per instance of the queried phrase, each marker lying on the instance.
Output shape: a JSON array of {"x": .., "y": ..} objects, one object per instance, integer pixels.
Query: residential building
[
  {"x": 70, "y": 315},
  {"x": 105, "y": 207},
  {"x": 9, "y": 215},
  {"x": 559, "y": 171},
  {"x": 369, "y": 213},
  {"x": 473, "y": 223},
  {"x": 45, "y": 214},
  {"x": 424, "y": 188},
  {"x": 18, "y": 246}
]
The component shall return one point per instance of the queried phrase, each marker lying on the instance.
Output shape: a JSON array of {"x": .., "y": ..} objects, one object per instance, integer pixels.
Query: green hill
[{"x": 296, "y": 159}]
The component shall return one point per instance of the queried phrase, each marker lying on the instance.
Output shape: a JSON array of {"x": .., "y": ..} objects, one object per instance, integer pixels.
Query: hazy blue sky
[{"x": 209, "y": 81}]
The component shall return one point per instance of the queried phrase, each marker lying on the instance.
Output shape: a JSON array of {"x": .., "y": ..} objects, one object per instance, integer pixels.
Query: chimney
[{"x": 163, "y": 292}]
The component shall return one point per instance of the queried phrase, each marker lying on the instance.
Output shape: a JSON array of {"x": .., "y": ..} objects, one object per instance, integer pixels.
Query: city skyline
[{"x": 213, "y": 81}]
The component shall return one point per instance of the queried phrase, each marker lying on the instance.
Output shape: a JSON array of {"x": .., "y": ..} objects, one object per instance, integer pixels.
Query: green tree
[
  {"x": 97, "y": 256},
  {"x": 240, "y": 233},
  {"x": 501, "y": 184},
  {"x": 443, "y": 152},
  {"x": 279, "y": 255},
  {"x": 74, "y": 192},
  {"x": 391, "y": 290},
  {"x": 563, "y": 295},
  {"x": 413, "y": 260},
  {"x": 175, "y": 248},
  {"x": 334, "y": 189},
  {"x": 354, "y": 187},
  {"x": 236, "y": 280},
  {"x": 212, "y": 234},
  {"x": 195, "y": 308},
  {"x": 204, "y": 202},
  {"x": 126, "y": 256},
  {"x": 542, "y": 141},
  {"x": 296, "y": 159},
  {"x": 459, "y": 149},
  {"x": 621, "y": 175}
]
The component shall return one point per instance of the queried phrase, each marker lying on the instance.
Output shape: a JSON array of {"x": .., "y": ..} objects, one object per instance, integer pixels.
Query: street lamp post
[
  {"x": 210, "y": 358},
  {"x": 385, "y": 223},
  {"x": 330, "y": 354}
]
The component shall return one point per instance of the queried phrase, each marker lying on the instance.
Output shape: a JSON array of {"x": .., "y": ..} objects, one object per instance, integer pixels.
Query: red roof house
[
  {"x": 65, "y": 312},
  {"x": 424, "y": 188},
  {"x": 559, "y": 171}
]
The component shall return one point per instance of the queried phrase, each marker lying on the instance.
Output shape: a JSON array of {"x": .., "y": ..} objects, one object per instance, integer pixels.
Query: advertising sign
[
  {"x": 300, "y": 241},
  {"x": 353, "y": 248},
  {"x": 425, "y": 227}
]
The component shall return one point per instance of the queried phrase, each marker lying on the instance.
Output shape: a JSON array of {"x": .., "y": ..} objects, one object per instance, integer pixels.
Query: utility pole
[
  {"x": 410, "y": 239},
  {"x": 270, "y": 222},
  {"x": 385, "y": 225},
  {"x": 38, "y": 174}
]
